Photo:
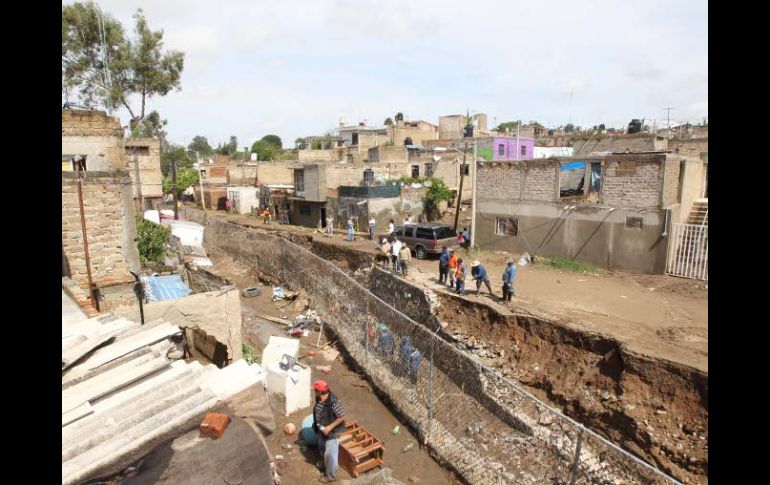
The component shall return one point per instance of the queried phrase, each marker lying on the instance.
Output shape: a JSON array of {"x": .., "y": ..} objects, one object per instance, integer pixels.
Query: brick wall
[
  {"x": 633, "y": 183},
  {"x": 387, "y": 154},
  {"x": 148, "y": 156},
  {"x": 671, "y": 171},
  {"x": 618, "y": 143},
  {"x": 76, "y": 122},
  {"x": 111, "y": 229},
  {"x": 94, "y": 135},
  {"x": 529, "y": 181}
]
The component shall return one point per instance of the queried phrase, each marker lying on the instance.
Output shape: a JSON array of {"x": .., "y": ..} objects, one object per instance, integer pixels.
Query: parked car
[{"x": 427, "y": 238}]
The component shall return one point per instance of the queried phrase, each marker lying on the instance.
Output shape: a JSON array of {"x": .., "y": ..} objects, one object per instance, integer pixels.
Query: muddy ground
[
  {"x": 643, "y": 398},
  {"x": 359, "y": 401}
]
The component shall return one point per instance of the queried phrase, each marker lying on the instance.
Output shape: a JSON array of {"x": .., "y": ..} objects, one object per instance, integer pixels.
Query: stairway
[{"x": 699, "y": 213}]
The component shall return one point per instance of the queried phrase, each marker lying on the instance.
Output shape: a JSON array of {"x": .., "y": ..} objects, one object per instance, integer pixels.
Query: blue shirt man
[
  {"x": 479, "y": 273},
  {"x": 508, "y": 276},
  {"x": 443, "y": 265}
]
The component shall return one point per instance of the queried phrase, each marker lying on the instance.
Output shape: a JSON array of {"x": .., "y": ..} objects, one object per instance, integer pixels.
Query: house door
[{"x": 323, "y": 217}]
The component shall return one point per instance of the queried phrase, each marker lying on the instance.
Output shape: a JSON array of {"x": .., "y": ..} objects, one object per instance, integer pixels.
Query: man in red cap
[{"x": 328, "y": 423}]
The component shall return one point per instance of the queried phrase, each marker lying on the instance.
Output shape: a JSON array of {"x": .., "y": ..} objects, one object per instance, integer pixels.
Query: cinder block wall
[{"x": 111, "y": 230}]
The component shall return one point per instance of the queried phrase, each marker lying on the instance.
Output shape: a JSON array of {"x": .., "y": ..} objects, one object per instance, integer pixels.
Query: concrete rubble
[{"x": 122, "y": 400}]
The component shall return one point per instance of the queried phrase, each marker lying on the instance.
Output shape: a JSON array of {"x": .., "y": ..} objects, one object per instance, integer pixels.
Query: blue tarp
[
  {"x": 162, "y": 288},
  {"x": 574, "y": 166}
]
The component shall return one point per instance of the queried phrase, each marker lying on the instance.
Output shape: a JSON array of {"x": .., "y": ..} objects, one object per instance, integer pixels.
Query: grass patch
[
  {"x": 249, "y": 354},
  {"x": 568, "y": 265}
]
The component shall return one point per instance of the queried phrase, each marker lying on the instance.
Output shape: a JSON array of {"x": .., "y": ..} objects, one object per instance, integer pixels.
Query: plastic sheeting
[{"x": 162, "y": 288}]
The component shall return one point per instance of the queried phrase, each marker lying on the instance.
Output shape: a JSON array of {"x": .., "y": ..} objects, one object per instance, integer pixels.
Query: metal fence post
[
  {"x": 430, "y": 393},
  {"x": 577, "y": 458}
]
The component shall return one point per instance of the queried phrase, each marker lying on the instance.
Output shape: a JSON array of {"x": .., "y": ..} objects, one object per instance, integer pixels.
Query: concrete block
[
  {"x": 276, "y": 348},
  {"x": 289, "y": 390},
  {"x": 214, "y": 425}
]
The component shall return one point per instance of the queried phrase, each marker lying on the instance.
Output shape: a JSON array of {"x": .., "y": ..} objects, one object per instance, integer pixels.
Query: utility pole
[
  {"x": 176, "y": 201},
  {"x": 570, "y": 107},
  {"x": 668, "y": 119},
  {"x": 460, "y": 190},
  {"x": 473, "y": 198}
]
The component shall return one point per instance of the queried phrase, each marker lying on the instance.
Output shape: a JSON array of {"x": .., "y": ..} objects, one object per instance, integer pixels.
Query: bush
[
  {"x": 568, "y": 265},
  {"x": 249, "y": 354},
  {"x": 151, "y": 240},
  {"x": 437, "y": 192}
]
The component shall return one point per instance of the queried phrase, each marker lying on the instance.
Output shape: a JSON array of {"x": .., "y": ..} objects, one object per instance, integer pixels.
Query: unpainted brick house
[
  {"x": 93, "y": 143},
  {"x": 613, "y": 211}
]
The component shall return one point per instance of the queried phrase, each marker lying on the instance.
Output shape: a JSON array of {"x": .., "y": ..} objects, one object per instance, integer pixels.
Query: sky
[{"x": 297, "y": 68}]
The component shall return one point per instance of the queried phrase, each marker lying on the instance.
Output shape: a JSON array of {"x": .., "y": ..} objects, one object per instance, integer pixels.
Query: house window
[
  {"x": 350, "y": 158},
  {"x": 203, "y": 174},
  {"x": 501, "y": 150},
  {"x": 524, "y": 150},
  {"x": 507, "y": 226},
  {"x": 304, "y": 210},
  {"x": 299, "y": 180},
  {"x": 138, "y": 150},
  {"x": 415, "y": 171},
  {"x": 633, "y": 222},
  {"x": 465, "y": 168},
  {"x": 596, "y": 176},
  {"x": 429, "y": 170},
  {"x": 354, "y": 141},
  {"x": 572, "y": 179},
  {"x": 368, "y": 177}
]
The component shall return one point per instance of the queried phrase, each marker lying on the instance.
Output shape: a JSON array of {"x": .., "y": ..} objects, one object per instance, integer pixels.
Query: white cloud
[{"x": 296, "y": 67}]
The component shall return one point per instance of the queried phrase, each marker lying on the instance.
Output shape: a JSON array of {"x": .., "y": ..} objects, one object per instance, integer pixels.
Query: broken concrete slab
[
  {"x": 125, "y": 345},
  {"x": 212, "y": 322}
]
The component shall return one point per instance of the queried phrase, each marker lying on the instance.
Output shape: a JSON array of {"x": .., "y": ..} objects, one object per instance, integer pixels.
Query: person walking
[
  {"x": 443, "y": 265},
  {"x": 452, "y": 267},
  {"x": 508, "y": 276},
  {"x": 329, "y": 226},
  {"x": 328, "y": 424},
  {"x": 479, "y": 274},
  {"x": 460, "y": 273},
  {"x": 385, "y": 248},
  {"x": 391, "y": 227},
  {"x": 403, "y": 259},
  {"x": 395, "y": 250},
  {"x": 372, "y": 223},
  {"x": 350, "y": 229}
]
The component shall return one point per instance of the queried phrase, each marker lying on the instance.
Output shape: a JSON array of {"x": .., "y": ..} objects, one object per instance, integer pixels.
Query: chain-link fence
[{"x": 481, "y": 424}]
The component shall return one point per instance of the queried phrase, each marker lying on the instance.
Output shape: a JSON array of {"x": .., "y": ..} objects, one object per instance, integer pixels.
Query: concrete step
[
  {"x": 128, "y": 416},
  {"x": 128, "y": 344},
  {"x": 124, "y": 448},
  {"x": 108, "y": 382}
]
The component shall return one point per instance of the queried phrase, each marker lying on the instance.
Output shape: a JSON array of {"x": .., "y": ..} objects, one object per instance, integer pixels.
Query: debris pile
[{"x": 304, "y": 323}]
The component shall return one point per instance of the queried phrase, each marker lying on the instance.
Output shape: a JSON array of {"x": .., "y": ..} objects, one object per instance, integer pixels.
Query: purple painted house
[{"x": 506, "y": 148}]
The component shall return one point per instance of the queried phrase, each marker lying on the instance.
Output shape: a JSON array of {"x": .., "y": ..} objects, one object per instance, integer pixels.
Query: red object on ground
[{"x": 214, "y": 425}]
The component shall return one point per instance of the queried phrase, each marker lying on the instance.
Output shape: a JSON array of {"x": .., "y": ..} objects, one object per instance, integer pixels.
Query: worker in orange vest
[
  {"x": 460, "y": 276},
  {"x": 452, "y": 267}
]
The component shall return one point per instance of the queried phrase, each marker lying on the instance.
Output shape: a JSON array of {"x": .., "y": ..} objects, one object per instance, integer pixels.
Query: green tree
[
  {"x": 387, "y": 121},
  {"x": 151, "y": 127},
  {"x": 185, "y": 178},
  {"x": 172, "y": 153},
  {"x": 265, "y": 150},
  {"x": 124, "y": 69},
  {"x": 569, "y": 128},
  {"x": 201, "y": 145},
  {"x": 274, "y": 140},
  {"x": 151, "y": 240},
  {"x": 437, "y": 192},
  {"x": 507, "y": 126}
]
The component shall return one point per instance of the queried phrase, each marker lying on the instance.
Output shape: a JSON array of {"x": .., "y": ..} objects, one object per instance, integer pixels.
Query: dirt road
[{"x": 660, "y": 316}]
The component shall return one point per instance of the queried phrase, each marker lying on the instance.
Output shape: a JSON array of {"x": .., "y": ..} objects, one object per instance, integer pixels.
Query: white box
[
  {"x": 276, "y": 347},
  {"x": 289, "y": 391},
  {"x": 189, "y": 233}
]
